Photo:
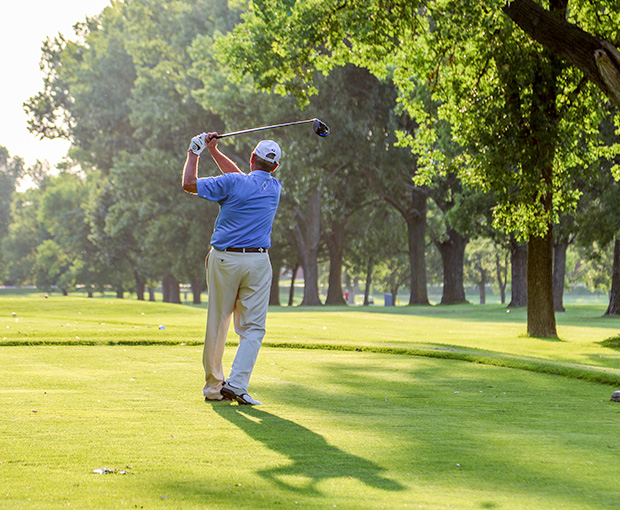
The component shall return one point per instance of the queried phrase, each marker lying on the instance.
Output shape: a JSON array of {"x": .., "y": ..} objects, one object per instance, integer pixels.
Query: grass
[{"x": 363, "y": 409}]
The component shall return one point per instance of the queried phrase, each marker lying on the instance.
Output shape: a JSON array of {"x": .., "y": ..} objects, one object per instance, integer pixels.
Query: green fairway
[{"x": 363, "y": 409}]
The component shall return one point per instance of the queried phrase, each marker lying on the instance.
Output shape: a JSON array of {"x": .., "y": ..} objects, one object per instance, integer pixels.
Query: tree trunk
[
  {"x": 559, "y": 273},
  {"x": 171, "y": 290},
  {"x": 414, "y": 214},
  {"x": 175, "y": 291},
  {"x": 336, "y": 253},
  {"x": 151, "y": 291},
  {"x": 307, "y": 237},
  {"x": 416, "y": 236},
  {"x": 483, "y": 285},
  {"x": 614, "y": 294},
  {"x": 394, "y": 293},
  {"x": 539, "y": 166},
  {"x": 197, "y": 286},
  {"x": 165, "y": 289},
  {"x": 139, "y": 285},
  {"x": 540, "y": 313},
  {"x": 291, "y": 290},
  {"x": 274, "y": 293},
  {"x": 368, "y": 281},
  {"x": 501, "y": 279},
  {"x": 518, "y": 270},
  {"x": 452, "y": 253}
]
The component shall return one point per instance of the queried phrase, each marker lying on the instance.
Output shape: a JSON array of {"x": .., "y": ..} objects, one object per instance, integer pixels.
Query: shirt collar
[{"x": 261, "y": 173}]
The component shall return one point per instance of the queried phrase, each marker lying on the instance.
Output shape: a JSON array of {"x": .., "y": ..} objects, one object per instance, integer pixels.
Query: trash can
[{"x": 387, "y": 299}]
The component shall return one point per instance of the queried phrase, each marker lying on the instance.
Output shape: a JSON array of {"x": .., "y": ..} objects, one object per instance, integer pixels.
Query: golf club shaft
[{"x": 265, "y": 127}]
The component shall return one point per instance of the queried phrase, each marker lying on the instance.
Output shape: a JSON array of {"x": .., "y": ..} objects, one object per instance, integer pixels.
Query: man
[{"x": 238, "y": 266}]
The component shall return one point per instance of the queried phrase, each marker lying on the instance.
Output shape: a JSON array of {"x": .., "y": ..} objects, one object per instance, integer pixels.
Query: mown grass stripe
[
  {"x": 591, "y": 374},
  {"x": 573, "y": 371}
]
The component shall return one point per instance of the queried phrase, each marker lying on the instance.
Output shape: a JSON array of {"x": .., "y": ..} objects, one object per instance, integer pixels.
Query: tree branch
[{"x": 598, "y": 59}]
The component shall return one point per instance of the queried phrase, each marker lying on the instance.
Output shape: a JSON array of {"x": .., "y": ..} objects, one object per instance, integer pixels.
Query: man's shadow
[{"x": 311, "y": 456}]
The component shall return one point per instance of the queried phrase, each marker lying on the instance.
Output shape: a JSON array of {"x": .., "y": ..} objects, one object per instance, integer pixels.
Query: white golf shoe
[{"x": 242, "y": 397}]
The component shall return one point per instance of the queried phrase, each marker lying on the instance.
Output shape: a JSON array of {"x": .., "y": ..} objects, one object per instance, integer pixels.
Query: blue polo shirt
[{"x": 248, "y": 205}]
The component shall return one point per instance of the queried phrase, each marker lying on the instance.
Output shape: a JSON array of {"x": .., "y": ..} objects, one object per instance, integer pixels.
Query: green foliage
[
  {"x": 11, "y": 169},
  {"x": 52, "y": 266},
  {"x": 24, "y": 235},
  {"x": 590, "y": 266},
  {"x": 487, "y": 91},
  {"x": 123, "y": 90}
]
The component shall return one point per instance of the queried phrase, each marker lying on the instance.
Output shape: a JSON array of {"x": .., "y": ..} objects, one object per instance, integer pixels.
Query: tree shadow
[{"x": 312, "y": 458}]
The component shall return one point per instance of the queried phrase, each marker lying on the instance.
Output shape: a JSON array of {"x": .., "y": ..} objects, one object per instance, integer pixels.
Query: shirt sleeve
[{"x": 214, "y": 188}]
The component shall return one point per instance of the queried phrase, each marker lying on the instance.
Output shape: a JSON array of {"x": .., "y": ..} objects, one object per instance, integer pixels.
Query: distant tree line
[{"x": 462, "y": 151}]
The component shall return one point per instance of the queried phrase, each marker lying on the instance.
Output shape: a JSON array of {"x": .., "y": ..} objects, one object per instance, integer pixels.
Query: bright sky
[{"x": 23, "y": 28}]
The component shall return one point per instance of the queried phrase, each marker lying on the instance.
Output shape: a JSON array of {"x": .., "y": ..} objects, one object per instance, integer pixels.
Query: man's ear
[{"x": 274, "y": 169}]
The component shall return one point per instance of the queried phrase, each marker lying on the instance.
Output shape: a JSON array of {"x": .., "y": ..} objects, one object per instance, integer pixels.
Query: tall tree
[
  {"x": 122, "y": 93},
  {"x": 62, "y": 213}
]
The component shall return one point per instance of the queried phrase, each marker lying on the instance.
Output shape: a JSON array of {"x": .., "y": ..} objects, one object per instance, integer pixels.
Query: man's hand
[
  {"x": 212, "y": 141},
  {"x": 198, "y": 144}
]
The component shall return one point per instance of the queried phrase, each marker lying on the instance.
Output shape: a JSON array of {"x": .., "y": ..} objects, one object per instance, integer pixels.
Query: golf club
[{"x": 320, "y": 128}]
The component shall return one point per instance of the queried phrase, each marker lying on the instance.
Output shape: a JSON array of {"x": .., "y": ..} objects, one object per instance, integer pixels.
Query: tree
[
  {"x": 480, "y": 264},
  {"x": 87, "y": 86},
  {"x": 11, "y": 170},
  {"x": 614, "y": 294},
  {"x": 364, "y": 109},
  {"x": 377, "y": 253},
  {"x": 164, "y": 116},
  {"x": 461, "y": 214},
  {"x": 597, "y": 221},
  {"x": 325, "y": 187},
  {"x": 62, "y": 213},
  {"x": 25, "y": 234},
  {"x": 122, "y": 93},
  {"x": 515, "y": 110}
]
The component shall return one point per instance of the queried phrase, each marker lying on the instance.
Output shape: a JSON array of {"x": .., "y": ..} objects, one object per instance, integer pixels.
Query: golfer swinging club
[{"x": 238, "y": 266}]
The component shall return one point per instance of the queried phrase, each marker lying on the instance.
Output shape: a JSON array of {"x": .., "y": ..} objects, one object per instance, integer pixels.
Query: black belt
[{"x": 247, "y": 250}]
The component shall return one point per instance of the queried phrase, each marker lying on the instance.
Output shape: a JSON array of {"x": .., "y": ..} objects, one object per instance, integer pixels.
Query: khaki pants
[{"x": 239, "y": 285}]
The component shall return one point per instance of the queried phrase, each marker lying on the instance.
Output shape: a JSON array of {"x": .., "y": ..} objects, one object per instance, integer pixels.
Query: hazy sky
[{"x": 23, "y": 28}]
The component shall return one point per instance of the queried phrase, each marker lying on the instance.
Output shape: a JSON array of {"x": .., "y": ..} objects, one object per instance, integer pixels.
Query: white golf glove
[{"x": 198, "y": 144}]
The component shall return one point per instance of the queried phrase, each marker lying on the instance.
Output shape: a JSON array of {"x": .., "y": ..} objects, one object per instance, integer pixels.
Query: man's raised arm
[{"x": 225, "y": 164}]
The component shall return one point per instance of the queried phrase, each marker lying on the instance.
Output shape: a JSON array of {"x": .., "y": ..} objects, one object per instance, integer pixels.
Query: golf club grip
[{"x": 263, "y": 128}]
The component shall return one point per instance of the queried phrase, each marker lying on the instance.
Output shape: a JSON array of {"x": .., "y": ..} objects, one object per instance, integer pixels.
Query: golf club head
[{"x": 320, "y": 128}]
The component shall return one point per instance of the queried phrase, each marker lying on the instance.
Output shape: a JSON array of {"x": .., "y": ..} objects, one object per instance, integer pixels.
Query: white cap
[{"x": 268, "y": 150}]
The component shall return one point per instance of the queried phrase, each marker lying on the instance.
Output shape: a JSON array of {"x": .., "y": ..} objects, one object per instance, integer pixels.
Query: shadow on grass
[
  {"x": 611, "y": 343},
  {"x": 312, "y": 458}
]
